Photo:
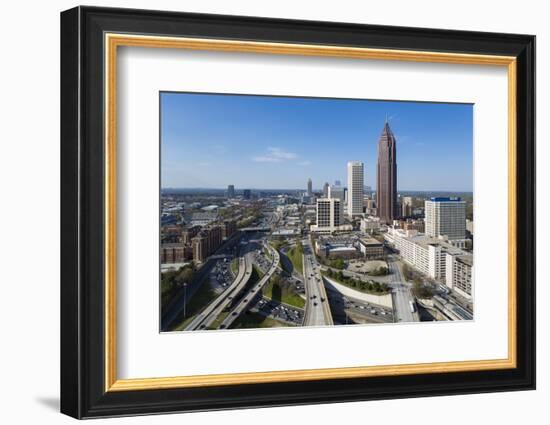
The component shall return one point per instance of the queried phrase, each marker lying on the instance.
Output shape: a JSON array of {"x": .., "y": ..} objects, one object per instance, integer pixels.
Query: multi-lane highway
[
  {"x": 317, "y": 305},
  {"x": 247, "y": 299},
  {"x": 213, "y": 310},
  {"x": 403, "y": 301}
]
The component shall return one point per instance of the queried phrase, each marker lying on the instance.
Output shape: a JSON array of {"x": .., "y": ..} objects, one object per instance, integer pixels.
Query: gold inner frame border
[{"x": 112, "y": 41}]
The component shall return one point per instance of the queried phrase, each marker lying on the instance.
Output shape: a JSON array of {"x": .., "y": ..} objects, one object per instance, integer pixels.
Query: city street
[
  {"x": 248, "y": 298},
  {"x": 349, "y": 310},
  {"x": 317, "y": 305},
  {"x": 213, "y": 310},
  {"x": 403, "y": 301}
]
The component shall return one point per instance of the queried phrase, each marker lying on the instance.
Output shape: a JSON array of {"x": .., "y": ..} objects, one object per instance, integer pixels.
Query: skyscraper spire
[{"x": 386, "y": 182}]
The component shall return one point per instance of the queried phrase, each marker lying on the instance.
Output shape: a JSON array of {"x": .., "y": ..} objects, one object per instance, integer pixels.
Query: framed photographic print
[{"x": 261, "y": 212}]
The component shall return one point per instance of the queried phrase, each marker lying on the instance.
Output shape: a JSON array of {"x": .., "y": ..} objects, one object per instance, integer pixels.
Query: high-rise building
[
  {"x": 325, "y": 190},
  {"x": 355, "y": 188},
  {"x": 406, "y": 206},
  {"x": 309, "y": 187},
  {"x": 231, "y": 191},
  {"x": 337, "y": 192},
  {"x": 246, "y": 194},
  {"x": 330, "y": 215},
  {"x": 386, "y": 177},
  {"x": 337, "y": 183},
  {"x": 446, "y": 217}
]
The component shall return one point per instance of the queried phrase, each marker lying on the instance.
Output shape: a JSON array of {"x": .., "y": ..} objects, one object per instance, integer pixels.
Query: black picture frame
[{"x": 83, "y": 392}]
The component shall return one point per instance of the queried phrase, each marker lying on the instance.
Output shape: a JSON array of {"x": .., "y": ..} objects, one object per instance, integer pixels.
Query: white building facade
[
  {"x": 337, "y": 192},
  {"x": 435, "y": 258},
  {"x": 459, "y": 274},
  {"x": 446, "y": 217},
  {"x": 355, "y": 188},
  {"x": 330, "y": 216},
  {"x": 370, "y": 224}
]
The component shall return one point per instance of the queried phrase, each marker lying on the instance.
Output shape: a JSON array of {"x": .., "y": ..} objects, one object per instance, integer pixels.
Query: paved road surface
[
  {"x": 317, "y": 305},
  {"x": 209, "y": 314},
  {"x": 401, "y": 295},
  {"x": 246, "y": 301}
]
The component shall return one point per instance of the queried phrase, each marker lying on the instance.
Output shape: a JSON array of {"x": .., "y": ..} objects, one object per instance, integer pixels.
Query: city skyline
[{"x": 263, "y": 142}]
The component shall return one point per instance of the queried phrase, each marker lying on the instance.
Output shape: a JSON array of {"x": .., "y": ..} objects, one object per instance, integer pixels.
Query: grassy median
[
  {"x": 284, "y": 292},
  {"x": 234, "y": 266},
  {"x": 296, "y": 256}
]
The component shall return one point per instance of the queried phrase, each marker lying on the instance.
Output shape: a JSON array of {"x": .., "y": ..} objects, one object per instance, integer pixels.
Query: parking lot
[
  {"x": 221, "y": 276},
  {"x": 286, "y": 313}
]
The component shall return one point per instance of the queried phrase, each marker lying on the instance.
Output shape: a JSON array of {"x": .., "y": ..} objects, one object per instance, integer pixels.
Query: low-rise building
[
  {"x": 371, "y": 248},
  {"x": 370, "y": 224},
  {"x": 229, "y": 227},
  {"x": 369, "y": 205},
  {"x": 189, "y": 233},
  {"x": 203, "y": 218},
  {"x": 175, "y": 253},
  {"x": 206, "y": 242},
  {"x": 326, "y": 248},
  {"x": 459, "y": 274},
  {"x": 414, "y": 224},
  {"x": 171, "y": 233},
  {"x": 428, "y": 254}
]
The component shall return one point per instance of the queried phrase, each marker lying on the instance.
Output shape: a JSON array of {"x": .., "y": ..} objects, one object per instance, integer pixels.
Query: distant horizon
[
  {"x": 305, "y": 189},
  {"x": 212, "y": 140}
]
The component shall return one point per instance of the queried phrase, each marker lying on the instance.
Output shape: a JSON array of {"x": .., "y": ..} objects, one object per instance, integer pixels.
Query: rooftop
[
  {"x": 446, "y": 199},
  {"x": 366, "y": 240},
  {"x": 425, "y": 241},
  {"x": 466, "y": 259}
]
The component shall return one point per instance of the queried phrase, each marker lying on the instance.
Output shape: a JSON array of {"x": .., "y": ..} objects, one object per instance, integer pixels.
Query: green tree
[{"x": 338, "y": 263}]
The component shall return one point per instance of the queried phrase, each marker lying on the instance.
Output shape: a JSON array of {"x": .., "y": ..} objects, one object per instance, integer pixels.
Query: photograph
[{"x": 281, "y": 212}]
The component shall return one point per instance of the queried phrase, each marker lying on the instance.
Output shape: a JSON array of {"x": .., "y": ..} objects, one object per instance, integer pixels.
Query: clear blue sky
[{"x": 262, "y": 142}]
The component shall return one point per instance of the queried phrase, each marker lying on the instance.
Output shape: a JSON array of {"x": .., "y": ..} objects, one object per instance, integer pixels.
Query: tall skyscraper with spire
[{"x": 386, "y": 173}]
